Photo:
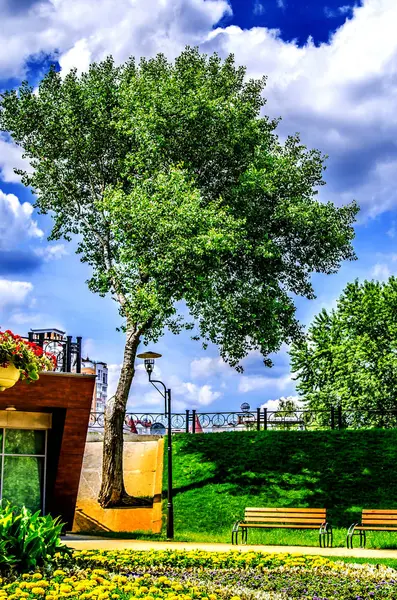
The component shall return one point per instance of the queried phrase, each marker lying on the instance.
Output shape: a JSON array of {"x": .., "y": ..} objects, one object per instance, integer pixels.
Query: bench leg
[
  {"x": 325, "y": 535},
  {"x": 363, "y": 538},
  {"x": 244, "y": 535},
  {"x": 349, "y": 536},
  {"x": 329, "y": 535},
  {"x": 235, "y": 530}
]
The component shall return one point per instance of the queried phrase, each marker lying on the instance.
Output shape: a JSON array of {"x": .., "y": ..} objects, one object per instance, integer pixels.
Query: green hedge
[{"x": 217, "y": 475}]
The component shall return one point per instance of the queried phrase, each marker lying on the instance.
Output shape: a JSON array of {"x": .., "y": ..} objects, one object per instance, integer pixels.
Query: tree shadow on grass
[{"x": 343, "y": 471}]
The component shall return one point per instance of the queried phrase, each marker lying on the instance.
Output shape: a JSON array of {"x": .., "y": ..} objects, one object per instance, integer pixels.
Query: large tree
[
  {"x": 181, "y": 195},
  {"x": 349, "y": 356}
]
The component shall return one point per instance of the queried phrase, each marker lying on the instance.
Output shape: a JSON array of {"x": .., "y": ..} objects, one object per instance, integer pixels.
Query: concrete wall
[{"x": 143, "y": 474}]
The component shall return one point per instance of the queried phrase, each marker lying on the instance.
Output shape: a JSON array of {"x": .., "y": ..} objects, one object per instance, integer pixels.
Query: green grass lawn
[
  {"x": 217, "y": 475},
  {"x": 287, "y": 538}
]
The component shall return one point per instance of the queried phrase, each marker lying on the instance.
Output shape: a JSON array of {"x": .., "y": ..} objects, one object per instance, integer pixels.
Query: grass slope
[{"x": 217, "y": 475}]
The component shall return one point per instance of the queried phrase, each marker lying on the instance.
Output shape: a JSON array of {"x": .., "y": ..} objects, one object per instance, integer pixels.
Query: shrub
[{"x": 27, "y": 540}]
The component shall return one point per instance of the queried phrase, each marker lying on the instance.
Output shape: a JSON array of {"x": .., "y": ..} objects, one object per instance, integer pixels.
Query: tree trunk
[{"x": 112, "y": 490}]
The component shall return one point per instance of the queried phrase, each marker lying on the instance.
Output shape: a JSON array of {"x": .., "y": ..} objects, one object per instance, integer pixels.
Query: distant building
[
  {"x": 48, "y": 334},
  {"x": 66, "y": 350},
  {"x": 100, "y": 369},
  {"x": 54, "y": 340}
]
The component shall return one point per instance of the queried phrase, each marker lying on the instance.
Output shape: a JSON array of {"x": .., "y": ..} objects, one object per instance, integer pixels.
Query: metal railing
[{"x": 192, "y": 421}]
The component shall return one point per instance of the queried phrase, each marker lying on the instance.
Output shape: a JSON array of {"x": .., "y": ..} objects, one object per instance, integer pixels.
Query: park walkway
[{"x": 95, "y": 543}]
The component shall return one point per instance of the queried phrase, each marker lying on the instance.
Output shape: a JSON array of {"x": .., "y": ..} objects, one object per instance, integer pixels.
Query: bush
[{"x": 27, "y": 540}]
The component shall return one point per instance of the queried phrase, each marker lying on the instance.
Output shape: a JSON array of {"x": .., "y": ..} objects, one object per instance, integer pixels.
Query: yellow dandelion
[{"x": 39, "y": 591}]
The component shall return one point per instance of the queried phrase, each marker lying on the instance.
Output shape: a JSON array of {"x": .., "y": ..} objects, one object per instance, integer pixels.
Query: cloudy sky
[{"x": 332, "y": 76}]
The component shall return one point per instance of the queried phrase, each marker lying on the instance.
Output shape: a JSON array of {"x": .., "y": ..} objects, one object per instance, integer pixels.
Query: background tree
[
  {"x": 349, "y": 356},
  {"x": 178, "y": 190},
  {"x": 287, "y": 413}
]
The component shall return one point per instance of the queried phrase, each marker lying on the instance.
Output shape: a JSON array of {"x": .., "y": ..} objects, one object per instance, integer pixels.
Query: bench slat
[
  {"x": 288, "y": 514},
  {"x": 285, "y": 510},
  {"x": 379, "y": 522},
  {"x": 373, "y": 519},
  {"x": 283, "y": 519},
  {"x": 275, "y": 525},
  {"x": 377, "y": 516},
  {"x": 376, "y": 528},
  {"x": 380, "y": 511}
]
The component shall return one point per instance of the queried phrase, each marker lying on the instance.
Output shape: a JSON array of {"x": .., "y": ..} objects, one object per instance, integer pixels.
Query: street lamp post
[{"x": 149, "y": 358}]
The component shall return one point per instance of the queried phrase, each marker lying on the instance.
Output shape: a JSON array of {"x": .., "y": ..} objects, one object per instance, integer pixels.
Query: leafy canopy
[
  {"x": 349, "y": 355},
  {"x": 181, "y": 193}
]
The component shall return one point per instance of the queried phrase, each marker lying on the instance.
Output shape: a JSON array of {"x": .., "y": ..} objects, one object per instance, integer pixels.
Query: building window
[
  {"x": 23, "y": 466},
  {"x": 105, "y": 378}
]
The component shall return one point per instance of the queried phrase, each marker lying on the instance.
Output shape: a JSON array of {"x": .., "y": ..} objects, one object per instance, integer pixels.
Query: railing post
[
  {"x": 265, "y": 418},
  {"x": 332, "y": 417},
  {"x": 258, "y": 419},
  {"x": 340, "y": 424},
  {"x": 68, "y": 353},
  {"x": 194, "y": 420},
  {"x": 187, "y": 420},
  {"x": 78, "y": 354}
]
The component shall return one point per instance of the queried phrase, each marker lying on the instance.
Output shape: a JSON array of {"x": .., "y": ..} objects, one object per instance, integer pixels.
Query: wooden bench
[
  {"x": 372, "y": 520},
  {"x": 284, "y": 518}
]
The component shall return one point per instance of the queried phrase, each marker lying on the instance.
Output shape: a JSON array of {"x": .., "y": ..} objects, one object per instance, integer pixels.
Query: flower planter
[
  {"x": 8, "y": 376},
  {"x": 24, "y": 360}
]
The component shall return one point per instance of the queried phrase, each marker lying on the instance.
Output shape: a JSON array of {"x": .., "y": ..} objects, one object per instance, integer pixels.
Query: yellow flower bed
[
  {"x": 197, "y": 558},
  {"x": 200, "y": 575},
  {"x": 99, "y": 584}
]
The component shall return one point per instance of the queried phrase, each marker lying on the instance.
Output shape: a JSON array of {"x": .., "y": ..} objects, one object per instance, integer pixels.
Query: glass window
[
  {"x": 23, "y": 481},
  {"x": 22, "y": 467},
  {"x": 24, "y": 441}
]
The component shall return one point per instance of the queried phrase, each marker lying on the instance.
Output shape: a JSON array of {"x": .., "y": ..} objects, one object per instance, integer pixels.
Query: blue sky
[{"x": 332, "y": 76}]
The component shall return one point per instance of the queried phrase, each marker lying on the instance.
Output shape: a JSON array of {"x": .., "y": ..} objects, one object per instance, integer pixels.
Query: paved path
[{"x": 94, "y": 543}]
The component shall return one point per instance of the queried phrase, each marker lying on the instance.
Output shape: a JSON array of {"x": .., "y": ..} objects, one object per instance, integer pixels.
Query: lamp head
[{"x": 149, "y": 358}]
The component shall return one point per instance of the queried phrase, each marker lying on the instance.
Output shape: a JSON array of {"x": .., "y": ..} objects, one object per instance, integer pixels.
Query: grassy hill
[{"x": 217, "y": 475}]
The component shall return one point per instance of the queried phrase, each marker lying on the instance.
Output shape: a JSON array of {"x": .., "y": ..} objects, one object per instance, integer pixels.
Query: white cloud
[
  {"x": 345, "y": 9},
  {"x": 380, "y": 271},
  {"x": 78, "y": 57},
  {"x": 340, "y": 95},
  {"x": 81, "y": 32},
  {"x": 16, "y": 221},
  {"x": 250, "y": 383},
  {"x": 208, "y": 367},
  {"x": 10, "y": 159},
  {"x": 88, "y": 348},
  {"x": 190, "y": 395},
  {"x": 13, "y": 293},
  {"x": 259, "y": 8},
  {"x": 329, "y": 13},
  {"x": 22, "y": 320},
  {"x": 341, "y": 10},
  {"x": 113, "y": 377},
  {"x": 273, "y": 405},
  {"x": 49, "y": 253}
]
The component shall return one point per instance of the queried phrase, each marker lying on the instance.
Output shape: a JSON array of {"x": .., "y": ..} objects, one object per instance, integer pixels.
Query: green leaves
[
  {"x": 349, "y": 356},
  {"x": 181, "y": 194},
  {"x": 27, "y": 540}
]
